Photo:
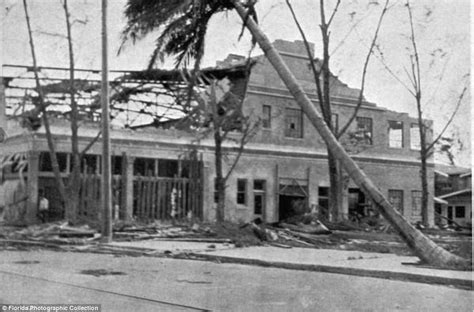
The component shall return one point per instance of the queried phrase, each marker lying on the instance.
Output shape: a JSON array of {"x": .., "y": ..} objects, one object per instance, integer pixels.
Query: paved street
[{"x": 158, "y": 284}]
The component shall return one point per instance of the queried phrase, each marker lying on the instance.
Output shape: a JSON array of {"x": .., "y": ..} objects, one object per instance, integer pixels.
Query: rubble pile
[
  {"x": 305, "y": 231},
  {"x": 54, "y": 233},
  {"x": 156, "y": 230}
]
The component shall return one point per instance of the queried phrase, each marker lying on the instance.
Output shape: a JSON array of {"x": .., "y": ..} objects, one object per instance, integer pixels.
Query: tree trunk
[
  {"x": 74, "y": 180},
  {"x": 422, "y": 246},
  {"x": 71, "y": 206},
  {"x": 334, "y": 194},
  {"x": 220, "y": 182},
  {"x": 44, "y": 117},
  {"x": 423, "y": 171}
]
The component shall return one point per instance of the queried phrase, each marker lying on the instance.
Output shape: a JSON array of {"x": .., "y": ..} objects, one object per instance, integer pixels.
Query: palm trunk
[{"x": 422, "y": 246}]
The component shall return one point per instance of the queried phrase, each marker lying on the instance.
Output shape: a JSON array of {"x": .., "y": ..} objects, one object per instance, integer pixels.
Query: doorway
[
  {"x": 450, "y": 214},
  {"x": 357, "y": 204},
  {"x": 291, "y": 205}
]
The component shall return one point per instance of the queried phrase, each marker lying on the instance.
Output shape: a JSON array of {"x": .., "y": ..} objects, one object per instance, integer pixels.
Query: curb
[
  {"x": 183, "y": 255},
  {"x": 399, "y": 276}
]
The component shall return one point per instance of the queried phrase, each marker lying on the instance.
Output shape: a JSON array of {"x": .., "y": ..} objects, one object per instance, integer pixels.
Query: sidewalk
[{"x": 378, "y": 265}]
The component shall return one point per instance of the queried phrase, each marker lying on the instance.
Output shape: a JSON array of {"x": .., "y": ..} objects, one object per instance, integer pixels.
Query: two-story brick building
[{"x": 285, "y": 164}]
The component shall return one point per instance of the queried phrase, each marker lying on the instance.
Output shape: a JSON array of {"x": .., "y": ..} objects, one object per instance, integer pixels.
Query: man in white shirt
[{"x": 43, "y": 207}]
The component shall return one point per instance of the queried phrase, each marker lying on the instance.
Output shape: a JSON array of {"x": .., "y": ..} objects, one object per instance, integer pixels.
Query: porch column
[{"x": 32, "y": 187}]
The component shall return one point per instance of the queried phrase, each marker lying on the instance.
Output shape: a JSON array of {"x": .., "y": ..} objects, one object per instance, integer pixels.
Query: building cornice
[
  {"x": 285, "y": 94},
  {"x": 263, "y": 150}
]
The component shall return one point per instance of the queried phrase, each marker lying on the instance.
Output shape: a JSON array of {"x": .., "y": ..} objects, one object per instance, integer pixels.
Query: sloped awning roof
[
  {"x": 461, "y": 192},
  {"x": 451, "y": 170},
  {"x": 440, "y": 201}
]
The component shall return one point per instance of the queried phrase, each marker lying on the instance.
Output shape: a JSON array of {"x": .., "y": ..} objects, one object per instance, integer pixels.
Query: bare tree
[
  {"x": 219, "y": 114},
  {"x": 416, "y": 88},
  {"x": 69, "y": 191},
  {"x": 321, "y": 71}
]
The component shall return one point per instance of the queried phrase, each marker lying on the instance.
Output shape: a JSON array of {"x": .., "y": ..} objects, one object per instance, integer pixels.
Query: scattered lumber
[{"x": 318, "y": 228}]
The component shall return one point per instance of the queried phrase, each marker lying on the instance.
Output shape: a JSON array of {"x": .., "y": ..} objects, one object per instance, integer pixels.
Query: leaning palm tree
[{"x": 173, "y": 20}]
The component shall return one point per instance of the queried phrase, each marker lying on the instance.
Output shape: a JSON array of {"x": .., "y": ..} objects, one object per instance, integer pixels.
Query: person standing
[{"x": 43, "y": 207}]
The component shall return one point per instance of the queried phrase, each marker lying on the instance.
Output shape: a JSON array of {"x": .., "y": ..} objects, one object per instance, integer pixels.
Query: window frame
[
  {"x": 216, "y": 194},
  {"x": 456, "y": 212},
  {"x": 266, "y": 116},
  {"x": 413, "y": 146},
  {"x": 395, "y": 143},
  {"x": 297, "y": 115},
  {"x": 391, "y": 192},
  {"x": 365, "y": 140},
  {"x": 241, "y": 192},
  {"x": 323, "y": 198},
  {"x": 260, "y": 192}
]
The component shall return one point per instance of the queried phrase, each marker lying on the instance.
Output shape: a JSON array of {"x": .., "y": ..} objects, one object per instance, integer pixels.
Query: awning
[{"x": 440, "y": 201}]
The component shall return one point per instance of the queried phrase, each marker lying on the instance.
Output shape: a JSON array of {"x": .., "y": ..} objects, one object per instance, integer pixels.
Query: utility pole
[{"x": 106, "y": 174}]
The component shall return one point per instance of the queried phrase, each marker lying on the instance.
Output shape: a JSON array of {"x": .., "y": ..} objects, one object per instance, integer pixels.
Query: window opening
[
  {"x": 395, "y": 134},
  {"x": 395, "y": 197},
  {"x": 267, "y": 116},
  {"x": 460, "y": 212},
  {"x": 415, "y": 137},
  {"x": 294, "y": 123},
  {"x": 259, "y": 196},
  {"x": 242, "y": 191},
  {"x": 364, "y": 130},
  {"x": 144, "y": 167}
]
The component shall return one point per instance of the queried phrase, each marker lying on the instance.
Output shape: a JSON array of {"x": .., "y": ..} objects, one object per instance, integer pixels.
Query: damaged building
[{"x": 161, "y": 171}]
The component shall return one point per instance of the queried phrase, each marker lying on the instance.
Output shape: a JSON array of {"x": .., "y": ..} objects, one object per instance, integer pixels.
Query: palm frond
[{"x": 182, "y": 25}]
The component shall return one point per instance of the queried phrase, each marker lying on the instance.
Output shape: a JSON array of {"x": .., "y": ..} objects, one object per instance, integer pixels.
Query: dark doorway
[
  {"x": 450, "y": 214},
  {"x": 291, "y": 205},
  {"x": 357, "y": 203}
]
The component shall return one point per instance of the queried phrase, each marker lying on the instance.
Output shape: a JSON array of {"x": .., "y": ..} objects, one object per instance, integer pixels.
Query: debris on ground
[
  {"x": 59, "y": 233},
  {"x": 304, "y": 231}
]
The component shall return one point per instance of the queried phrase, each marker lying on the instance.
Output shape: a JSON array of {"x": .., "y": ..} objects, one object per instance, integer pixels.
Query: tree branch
[
  {"x": 334, "y": 12},
  {"x": 458, "y": 104},
  {"x": 49, "y": 138},
  {"x": 364, "y": 72},
  {"x": 310, "y": 55},
  {"x": 381, "y": 59},
  {"x": 90, "y": 144}
]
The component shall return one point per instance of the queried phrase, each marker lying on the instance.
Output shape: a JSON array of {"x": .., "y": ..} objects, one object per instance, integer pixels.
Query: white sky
[{"x": 442, "y": 30}]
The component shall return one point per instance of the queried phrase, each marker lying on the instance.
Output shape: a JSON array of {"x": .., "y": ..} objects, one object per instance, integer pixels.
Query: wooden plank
[
  {"x": 166, "y": 200},
  {"x": 123, "y": 188},
  {"x": 159, "y": 199},
  {"x": 139, "y": 197},
  {"x": 186, "y": 198},
  {"x": 146, "y": 199},
  {"x": 190, "y": 196},
  {"x": 153, "y": 200},
  {"x": 180, "y": 203}
]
